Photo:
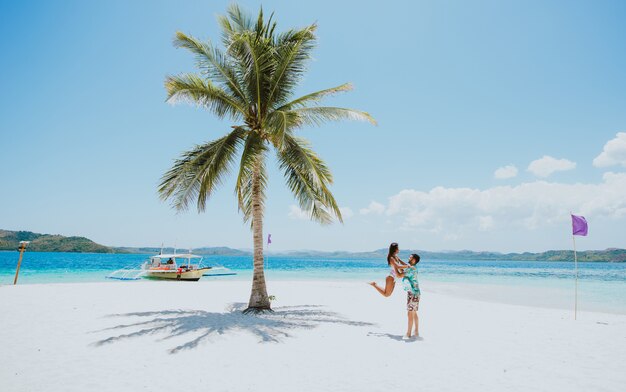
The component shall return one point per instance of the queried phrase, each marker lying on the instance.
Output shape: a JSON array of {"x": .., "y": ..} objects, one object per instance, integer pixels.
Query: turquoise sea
[{"x": 602, "y": 286}]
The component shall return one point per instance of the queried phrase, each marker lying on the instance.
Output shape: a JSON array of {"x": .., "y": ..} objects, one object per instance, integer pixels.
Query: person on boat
[
  {"x": 170, "y": 263},
  {"x": 412, "y": 288},
  {"x": 396, "y": 266}
]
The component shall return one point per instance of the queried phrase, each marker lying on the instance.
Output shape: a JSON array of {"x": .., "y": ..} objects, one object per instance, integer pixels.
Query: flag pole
[
  {"x": 579, "y": 227},
  {"x": 267, "y": 248},
  {"x": 576, "y": 278}
]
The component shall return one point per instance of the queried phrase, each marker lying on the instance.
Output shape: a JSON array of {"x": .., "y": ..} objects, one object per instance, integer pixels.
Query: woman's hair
[
  {"x": 416, "y": 257},
  {"x": 392, "y": 251}
]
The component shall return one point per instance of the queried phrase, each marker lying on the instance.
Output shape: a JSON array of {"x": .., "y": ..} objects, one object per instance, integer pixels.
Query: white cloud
[
  {"x": 547, "y": 165},
  {"x": 373, "y": 208},
  {"x": 529, "y": 206},
  {"x": 504, "y": 172},
  {"x": 485, "y": 223},
  {"x": 346, "y": 212},
  {"x": 296, "y": 213},
  {"x": 614, "y": 152}
]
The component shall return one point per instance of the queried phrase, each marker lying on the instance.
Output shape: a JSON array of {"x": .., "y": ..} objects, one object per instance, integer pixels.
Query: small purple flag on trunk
[
  {"x": 579, "y": 225},
  {"x": 269, "y": 239}
]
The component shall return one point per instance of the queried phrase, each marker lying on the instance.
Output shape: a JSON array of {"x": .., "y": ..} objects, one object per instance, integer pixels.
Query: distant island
[
  {"x": 9, "y": 240},
  {"x": 205, "y": 251},
  {"x": 608, "y": 255}
]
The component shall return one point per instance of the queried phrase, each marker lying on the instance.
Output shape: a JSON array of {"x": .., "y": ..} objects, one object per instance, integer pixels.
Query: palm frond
[
  {"x": 197, "y": 173},
  {"x": 293, "y": 51},
  {"x": 280, "y": 123},
  {"x": 241, "y": 20},
  {"x": 308, "y": 178},
  {"x": 254, "y": 61},
  {"x": 315, "y": 97},
  {"x": 318, "y": 115},
  {"x": 264, "y": 29},
  {"x": 213, "y": 63},
  {"x": 228, "y": 30},
  {"x": 252, "y": 53},
  {"x": 193, "y": 89}
]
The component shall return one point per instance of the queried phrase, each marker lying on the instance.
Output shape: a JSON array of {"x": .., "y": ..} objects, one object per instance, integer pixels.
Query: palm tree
[{"x": 251, "y": 82}]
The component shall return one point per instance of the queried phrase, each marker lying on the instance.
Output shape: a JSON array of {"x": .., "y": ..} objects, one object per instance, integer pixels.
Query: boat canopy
[{"x": 177, "y": 256}]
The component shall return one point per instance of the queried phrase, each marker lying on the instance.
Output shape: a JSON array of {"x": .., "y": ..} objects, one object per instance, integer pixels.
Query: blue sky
[{"x": 460, "y": 89}]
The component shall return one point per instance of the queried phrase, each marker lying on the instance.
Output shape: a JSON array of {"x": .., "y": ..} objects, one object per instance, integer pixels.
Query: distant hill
[
  {"x": 9, "y": 240},
  {"x": 206, "y": 251},
  {"x": 608, "y": 255}
]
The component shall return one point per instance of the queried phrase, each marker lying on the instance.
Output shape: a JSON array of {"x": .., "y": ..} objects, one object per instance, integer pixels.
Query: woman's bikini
[{"x": 392, "y": 270}]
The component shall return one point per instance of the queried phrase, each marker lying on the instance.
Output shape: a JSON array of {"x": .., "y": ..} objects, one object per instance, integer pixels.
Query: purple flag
[
  {"x": 579, "y": 225},
  {"x": 269, "y": 239}
]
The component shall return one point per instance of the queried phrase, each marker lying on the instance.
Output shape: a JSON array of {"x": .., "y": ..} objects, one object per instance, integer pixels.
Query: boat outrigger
[{"x": 181, "y": 266}]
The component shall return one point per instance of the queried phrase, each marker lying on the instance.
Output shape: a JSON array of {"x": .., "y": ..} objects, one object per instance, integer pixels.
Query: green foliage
[
  {"x": 251, "y": 81},
  {"x": 9, "y": 240}
]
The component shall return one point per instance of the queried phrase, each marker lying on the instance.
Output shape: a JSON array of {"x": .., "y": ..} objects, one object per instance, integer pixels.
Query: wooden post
[{"x": 22, "y": 248}]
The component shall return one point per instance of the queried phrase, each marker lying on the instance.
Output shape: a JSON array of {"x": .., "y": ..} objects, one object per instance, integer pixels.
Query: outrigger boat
[
  {"x": 174, "y": 267},
  {"x": 177, "y": 266}
]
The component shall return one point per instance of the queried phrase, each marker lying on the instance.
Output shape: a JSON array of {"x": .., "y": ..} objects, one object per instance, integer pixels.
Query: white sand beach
[{"x": 323, "y": 336}]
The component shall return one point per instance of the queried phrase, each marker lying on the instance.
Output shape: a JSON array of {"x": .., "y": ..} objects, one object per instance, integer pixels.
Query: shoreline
[
  {"x": 597, "y": 297},
  {"x": 496, "y": 292}
]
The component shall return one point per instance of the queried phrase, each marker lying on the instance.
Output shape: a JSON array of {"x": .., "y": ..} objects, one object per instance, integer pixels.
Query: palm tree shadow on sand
[{"x": 268, "y": 327}]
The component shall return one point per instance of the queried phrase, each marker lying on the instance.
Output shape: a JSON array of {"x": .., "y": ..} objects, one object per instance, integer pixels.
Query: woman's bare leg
[
  {"x": 390, "y": 284},
  {"x": 374, "y": 285}
]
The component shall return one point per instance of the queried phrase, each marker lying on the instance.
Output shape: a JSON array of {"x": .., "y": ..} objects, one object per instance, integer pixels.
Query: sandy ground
[{"x": 323, "y": 336}]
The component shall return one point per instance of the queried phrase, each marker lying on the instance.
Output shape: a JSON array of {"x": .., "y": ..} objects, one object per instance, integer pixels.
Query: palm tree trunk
[{"x": 259, "y": 300}]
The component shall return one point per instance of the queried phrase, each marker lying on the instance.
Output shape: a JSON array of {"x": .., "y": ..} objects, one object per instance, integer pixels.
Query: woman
[{"x": 396, "y": 266}]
